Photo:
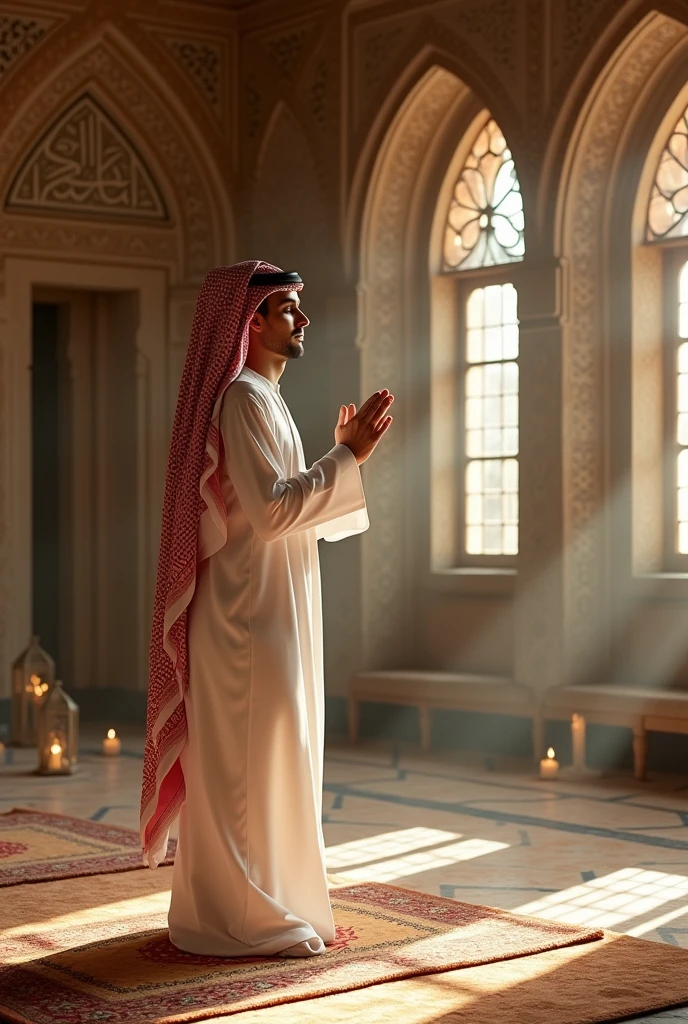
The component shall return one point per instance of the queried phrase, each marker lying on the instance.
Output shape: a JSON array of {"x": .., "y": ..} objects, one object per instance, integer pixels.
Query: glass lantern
[
  {"x": 58, "y": 732},
  {"x": 33, "y": 673}
]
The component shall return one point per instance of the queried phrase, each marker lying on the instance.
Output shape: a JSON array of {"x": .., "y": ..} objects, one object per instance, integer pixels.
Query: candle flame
[
  {"x": 550, "y": 753},
  {"x": 56, "y": 749},
  {"x": 35, "y": 679},
  {"x": 111, "y": 734}
]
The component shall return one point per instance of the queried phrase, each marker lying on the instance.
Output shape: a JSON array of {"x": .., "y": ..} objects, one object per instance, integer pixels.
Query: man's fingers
[
  {"x": 371, "y": 402},
  {"x": 379, "y": 410},
  {"x": 383, "y": 426}
]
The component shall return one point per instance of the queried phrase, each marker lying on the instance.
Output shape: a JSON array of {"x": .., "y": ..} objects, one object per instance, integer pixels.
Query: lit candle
[
  {"x": 578, "y": 742},
  {"x": 549, "y": 768},
  {"x": 111, "y": 744},
  {"x": 55, "y": 757}
]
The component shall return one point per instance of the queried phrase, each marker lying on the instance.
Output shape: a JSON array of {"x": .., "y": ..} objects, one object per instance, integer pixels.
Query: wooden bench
[
  {"x": 429, "y": 691},
  {"x": 642, "y": 711}
]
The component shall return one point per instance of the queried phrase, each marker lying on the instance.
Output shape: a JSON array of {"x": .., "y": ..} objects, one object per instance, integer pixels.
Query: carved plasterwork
[
  {"x": 492, "y": 26},
  {"x": 86, "y": 164},
  {"x": 288, "y": 49},
  {"x": 159, "y": 136},
  {"x": 586, "y": 191},
  {"x": 383, "y": 293},
  {"x": 18, "y": 35},
  {"x": 202, "y": 61}
]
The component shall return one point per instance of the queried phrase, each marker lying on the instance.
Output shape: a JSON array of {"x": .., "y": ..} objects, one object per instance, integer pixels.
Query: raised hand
[{"x": 361, "y": 431}]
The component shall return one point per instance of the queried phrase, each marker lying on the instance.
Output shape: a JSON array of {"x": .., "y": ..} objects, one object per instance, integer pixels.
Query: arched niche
[
  {"x": 398, "y": 293},
  {"x": 611, "y": 391},
  {"x": 199, "y": 232}
]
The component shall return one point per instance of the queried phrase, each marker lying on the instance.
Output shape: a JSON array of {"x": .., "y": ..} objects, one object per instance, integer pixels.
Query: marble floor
[{"x": 607, "y": 852}]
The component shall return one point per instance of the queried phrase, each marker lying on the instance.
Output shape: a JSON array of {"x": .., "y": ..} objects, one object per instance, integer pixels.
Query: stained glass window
[
  {"x": 668, "y": 211},
  {"x": 485, "y": 223},
  {"x": 491, "y": 421},
  {"x": 682, "y": 414}
]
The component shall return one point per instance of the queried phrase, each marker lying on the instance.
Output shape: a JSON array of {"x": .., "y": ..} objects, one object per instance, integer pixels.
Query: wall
[{"x": 330, "y": 129}]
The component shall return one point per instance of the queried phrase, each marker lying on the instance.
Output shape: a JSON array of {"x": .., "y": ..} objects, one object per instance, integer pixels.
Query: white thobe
[{"x": 249, "y": 875}]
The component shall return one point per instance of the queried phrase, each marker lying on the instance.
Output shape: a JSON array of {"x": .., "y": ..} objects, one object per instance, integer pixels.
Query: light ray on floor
[
  {"x": 388, "y": 844},
  {"x": 608, "y": 901}
]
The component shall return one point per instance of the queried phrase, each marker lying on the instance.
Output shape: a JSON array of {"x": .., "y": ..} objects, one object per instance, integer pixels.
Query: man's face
[{"x": 281, "y": 331}]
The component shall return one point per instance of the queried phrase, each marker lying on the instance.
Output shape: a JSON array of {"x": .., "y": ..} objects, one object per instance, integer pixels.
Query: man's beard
[{"x": 294, "y": 349}]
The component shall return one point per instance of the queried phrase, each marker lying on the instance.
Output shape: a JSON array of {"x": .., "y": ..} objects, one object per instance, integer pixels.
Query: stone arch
[
  {"x": 595, "y": 231},
  {"x": 398, "y": 224},
  {"x": 468, "y": 69},
  {"x": 201, "y": 231}
]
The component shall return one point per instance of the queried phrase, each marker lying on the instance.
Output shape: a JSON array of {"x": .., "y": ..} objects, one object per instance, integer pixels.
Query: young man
[{"x": 236, "y": 705}]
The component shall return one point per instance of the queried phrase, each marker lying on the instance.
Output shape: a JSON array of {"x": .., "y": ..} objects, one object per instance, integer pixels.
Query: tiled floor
[{"x": 608, "y": 852}]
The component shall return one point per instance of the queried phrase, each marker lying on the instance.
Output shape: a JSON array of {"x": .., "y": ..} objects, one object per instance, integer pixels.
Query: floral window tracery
[
  {"x": 485, "y": 223},
  {"x": 668, "y": 209}
]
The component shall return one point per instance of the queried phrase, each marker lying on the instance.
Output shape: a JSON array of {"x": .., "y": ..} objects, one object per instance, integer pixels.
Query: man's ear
[{"x": 256, "y": 323}]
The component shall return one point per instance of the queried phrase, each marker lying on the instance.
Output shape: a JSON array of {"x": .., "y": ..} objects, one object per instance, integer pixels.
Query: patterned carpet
[{"x": 36, "y": 847}]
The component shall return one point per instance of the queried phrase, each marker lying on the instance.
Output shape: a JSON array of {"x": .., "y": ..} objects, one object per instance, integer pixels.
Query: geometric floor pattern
[{"x": 607, "y": 853}]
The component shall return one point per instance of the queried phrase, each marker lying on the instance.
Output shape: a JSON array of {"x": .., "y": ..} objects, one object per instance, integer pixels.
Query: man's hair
[{"x": 263, "y": 309}]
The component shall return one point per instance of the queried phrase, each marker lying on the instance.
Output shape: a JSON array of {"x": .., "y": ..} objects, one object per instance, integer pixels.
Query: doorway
[{"x": 85, "y": 483}]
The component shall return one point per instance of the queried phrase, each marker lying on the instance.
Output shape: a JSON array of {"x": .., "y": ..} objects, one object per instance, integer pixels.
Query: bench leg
[
  {"x": 639, "y": 753},
  {"x": 424, "y": 717},
  {"x": 352, "y": 708}
]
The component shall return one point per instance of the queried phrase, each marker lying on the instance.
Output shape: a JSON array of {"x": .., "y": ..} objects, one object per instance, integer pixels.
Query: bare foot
[{"x": 311, "y": 947}]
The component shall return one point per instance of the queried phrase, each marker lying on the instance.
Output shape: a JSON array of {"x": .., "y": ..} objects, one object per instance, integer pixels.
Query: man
[{"x": 236, "y": 703}]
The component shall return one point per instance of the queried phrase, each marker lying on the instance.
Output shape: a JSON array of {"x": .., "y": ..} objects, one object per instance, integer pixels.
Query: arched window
[
  {"x": 667, "y": 224},
  {"x": 483, "y": 236}
]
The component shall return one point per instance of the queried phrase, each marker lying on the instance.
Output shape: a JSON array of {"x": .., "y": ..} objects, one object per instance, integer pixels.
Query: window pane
[
  {"x": 474, "y": 313},
  {"x": 682, "y": 429},
  {"x": 683, "y": 538},
  {"x": 683, "y": 358},
  {"x": 485, "y": 223},
  {"x": 683, "y": 392},
  {"x": 668, "y": 209},
  {"x": 492, "y": 510},
  {"x": 491, "y": 419}
]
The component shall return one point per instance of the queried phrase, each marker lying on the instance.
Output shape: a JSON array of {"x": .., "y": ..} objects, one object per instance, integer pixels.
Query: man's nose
[{"x": 303, "y": 320}]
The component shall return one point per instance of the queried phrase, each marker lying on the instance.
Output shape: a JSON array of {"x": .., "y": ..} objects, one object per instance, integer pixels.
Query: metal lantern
[
  {"x": 33, "y": 673},
  {"x": 58, "y": 732}
]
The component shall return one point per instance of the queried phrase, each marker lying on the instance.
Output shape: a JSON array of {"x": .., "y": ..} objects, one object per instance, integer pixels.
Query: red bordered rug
[
  {"x": 384, "y": 933},
  {"x": 36, "y": 846}
]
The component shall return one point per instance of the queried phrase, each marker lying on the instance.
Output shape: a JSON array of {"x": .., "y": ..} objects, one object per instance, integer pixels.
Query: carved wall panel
[
  {"x": 202, "y": 62},
  {"x": 384, "y": 257},
  {"x": 586, "y": 196},
  {"x": 18, "y": 35},
  {"x": 85, "y": 164},
  {"x": 168, "y": 150}
]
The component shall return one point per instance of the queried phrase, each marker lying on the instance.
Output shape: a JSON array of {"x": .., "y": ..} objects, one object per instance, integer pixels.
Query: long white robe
[{"x": 249, "y": 876}]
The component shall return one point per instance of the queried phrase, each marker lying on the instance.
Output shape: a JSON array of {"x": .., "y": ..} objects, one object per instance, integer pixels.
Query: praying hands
[{"x": 361, "y": 431}]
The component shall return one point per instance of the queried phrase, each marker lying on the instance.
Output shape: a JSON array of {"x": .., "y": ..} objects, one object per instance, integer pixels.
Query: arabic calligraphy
[{"x": 85, "y": 163}]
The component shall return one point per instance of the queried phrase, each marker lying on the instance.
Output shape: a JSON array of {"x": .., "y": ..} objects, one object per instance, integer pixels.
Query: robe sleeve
[{"x": 329, "y": 491}]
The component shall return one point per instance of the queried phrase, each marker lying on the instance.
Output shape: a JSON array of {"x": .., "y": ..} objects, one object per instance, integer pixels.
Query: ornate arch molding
[
  {"x": 394, "y": 264},
  {"x": 196, "y": 237},
  {"x": 415, "y": 74},
  {"x": 596, "y": 169}
]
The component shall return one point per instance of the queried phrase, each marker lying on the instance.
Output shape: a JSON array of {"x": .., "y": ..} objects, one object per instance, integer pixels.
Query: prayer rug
[
  {"x": 384, "y": 933},
  {"x": 36, "y": 846}
]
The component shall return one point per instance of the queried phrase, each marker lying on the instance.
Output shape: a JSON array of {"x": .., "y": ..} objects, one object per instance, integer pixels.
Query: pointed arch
[
  {"x": 199, "y": 232},
  {"x": 365, "y": 149},
  {"x": 610, "y": 283}
]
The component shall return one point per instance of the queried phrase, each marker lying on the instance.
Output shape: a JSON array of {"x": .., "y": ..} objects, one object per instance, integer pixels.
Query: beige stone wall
[{"x": 321, "y": 136}]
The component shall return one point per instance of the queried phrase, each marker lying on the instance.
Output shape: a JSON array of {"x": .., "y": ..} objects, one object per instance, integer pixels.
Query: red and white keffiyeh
[{"x": 194, "y": 526}]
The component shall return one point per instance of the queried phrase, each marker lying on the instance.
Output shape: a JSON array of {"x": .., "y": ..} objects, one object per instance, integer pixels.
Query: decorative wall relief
[
  {"x": 287, "y": 49},
  {"x": 202, "y": 61},
  {"x": 587, "y": 193},
  {"x": 493, "y": 24},
  {"x": 19, "y": 35},
  {"x": 86, "y": 164},
  {"x": 384, "y": 259}
]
